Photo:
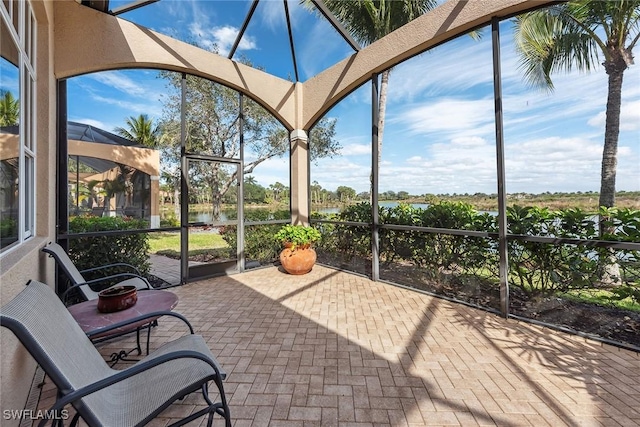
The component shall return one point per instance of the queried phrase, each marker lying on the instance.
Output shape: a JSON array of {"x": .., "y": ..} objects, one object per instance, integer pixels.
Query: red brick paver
[{"x": 334, "y": 349}]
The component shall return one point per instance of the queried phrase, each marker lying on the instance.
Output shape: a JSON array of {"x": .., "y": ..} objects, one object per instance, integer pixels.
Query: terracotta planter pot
[
  {"x": 298, "y": 261},
  {"x": 117, "y": 298}
]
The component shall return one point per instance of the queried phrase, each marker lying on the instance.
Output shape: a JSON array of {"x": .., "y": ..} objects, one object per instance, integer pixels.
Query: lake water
[
  {"x": 383, "y": 204},
  {"x": 206, "y": 217}
]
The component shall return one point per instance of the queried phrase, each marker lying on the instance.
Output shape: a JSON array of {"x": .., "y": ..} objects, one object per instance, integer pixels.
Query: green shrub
[
  {"x": 89, "y": 252},
  {"x": 297, "y": 235},
  {"x": 169, "y": 220},
  {"x": 8, "y": 228},
  {"x": 259, "y": 242},
  {"x": 347, "y": 240},
  {"x": 547, "y": 268},
  {"x": 535, "y": 268}
]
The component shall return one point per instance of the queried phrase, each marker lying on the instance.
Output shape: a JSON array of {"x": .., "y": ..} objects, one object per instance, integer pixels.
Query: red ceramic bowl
[{"x": 117, "y": 298}]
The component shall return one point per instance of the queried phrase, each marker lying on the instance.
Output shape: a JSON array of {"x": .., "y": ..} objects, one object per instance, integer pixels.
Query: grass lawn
[
  {"x": 171, "y": 241},
  {"x": 603, "y": 297}
]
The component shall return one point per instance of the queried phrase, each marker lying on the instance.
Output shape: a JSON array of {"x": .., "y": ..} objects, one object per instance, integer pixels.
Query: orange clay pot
[{"x": 299, "y": 260}]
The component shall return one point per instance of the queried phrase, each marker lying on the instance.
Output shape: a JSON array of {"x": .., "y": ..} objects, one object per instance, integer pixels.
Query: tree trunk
[
  {"x": 176, "y": 202},
  {"x": 615, "y": 70},
  {"x": 217, "y": 201},
  {"x": 382, "y": 110}
]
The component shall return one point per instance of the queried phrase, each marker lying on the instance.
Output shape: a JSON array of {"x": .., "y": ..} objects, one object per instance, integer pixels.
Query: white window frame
[{"x": 27, "y": 163}]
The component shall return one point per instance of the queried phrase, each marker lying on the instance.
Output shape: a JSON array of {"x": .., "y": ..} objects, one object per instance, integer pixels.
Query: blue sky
[{"x": 439, "y": 135}]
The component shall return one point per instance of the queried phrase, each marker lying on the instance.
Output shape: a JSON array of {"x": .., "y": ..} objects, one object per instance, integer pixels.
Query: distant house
[{"x": 111, "y": 175}]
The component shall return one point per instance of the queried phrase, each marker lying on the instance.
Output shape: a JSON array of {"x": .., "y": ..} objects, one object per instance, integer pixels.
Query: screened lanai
[
  {"x": 444, "y": 221},
  {"x": 460, "y": 206}
]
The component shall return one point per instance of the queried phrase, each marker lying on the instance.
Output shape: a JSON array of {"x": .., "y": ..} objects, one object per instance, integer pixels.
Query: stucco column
[
  {"x": 299, "y": 177},
  {"x": 154, "y": 201}
]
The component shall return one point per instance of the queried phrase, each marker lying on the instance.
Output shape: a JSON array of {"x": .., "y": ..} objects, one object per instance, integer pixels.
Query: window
[{"x": 17, "y": 136}]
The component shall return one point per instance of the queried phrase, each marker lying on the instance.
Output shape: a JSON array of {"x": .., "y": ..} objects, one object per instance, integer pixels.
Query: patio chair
[
  {"x": 132, "y": 277},
  {"x": 100, "y": 395}
]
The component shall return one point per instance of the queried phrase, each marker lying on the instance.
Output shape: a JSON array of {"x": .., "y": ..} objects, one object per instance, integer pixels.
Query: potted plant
[{"x": 297, "y": 257}]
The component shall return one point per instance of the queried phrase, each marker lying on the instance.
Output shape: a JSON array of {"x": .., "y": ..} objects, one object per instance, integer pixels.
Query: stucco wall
[
  {"x": 103, "y": 42},
  {"x": 26, "y": 262},
  {"x": 16, "y": 365},
  {"x": 143, "y": 159}
]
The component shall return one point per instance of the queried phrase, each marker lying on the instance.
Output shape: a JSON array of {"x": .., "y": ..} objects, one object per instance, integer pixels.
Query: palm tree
[
  {"x": 111, "y": 188},
  {"x": 93, "y": 193},
  {"x": 9, "y": 109},
  {"x": 315, "y": 192},
  {"x": 140, "y": 130},
  {"x": 577, "y": 35},
  {"x": 370, "y": 20},
  {"x": 278, "y": 190}
]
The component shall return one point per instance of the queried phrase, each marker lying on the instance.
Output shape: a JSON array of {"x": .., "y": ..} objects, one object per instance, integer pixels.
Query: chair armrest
[
  {"x": 117, "y": 264},
  {"x": 152, "y": 315},
  {"x": 122, "y": 276},
  {"x": 65, "y": 294},
  {"x": 129, "y": 372}
]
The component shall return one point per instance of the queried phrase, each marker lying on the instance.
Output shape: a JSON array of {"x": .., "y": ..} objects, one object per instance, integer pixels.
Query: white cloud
[
  {"x": 332, "y": 173},
  {"x": 105, "y": 99},
  {"x": 535, "y": 165},
  {"x": 440, "y": 128},
  {"x": 272, "y": 14},
  {"x": 470, "y": 142},
  {"x": 223, "y": 37},
  {"x": 629, "y": 117},
  {"x": 356, "y": 150},
  {"x": 450, "y": 115},
  {"x": 313, "y": 57},
  {"x": 118, "y": 80},
  {"x": 456, "y": 66},
  {"x": 134, "y": 108},
  {"x": 272, "y": 171}
]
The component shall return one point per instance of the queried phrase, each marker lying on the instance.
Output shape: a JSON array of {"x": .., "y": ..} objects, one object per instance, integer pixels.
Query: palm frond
[
  {"x": 370, "y": 20},
  {"x": 553, "y": 40}
]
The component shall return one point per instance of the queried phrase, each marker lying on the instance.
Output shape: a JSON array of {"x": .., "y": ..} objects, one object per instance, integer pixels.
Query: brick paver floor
[{"x": 334, "y": 349}]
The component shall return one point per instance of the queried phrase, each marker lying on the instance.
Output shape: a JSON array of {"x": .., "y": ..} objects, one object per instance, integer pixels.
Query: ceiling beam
[
  {"x": 131, "y": 6},
  {"x": 101, "y": 5},
  {"x": 322, "y": 8},
  {"x": 293, "y": 50},
  {"x": 243, "y": 29}
]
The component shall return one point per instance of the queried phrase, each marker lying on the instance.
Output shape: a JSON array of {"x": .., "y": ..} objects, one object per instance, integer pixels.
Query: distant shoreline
[{"x": 586, "y": 201}]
